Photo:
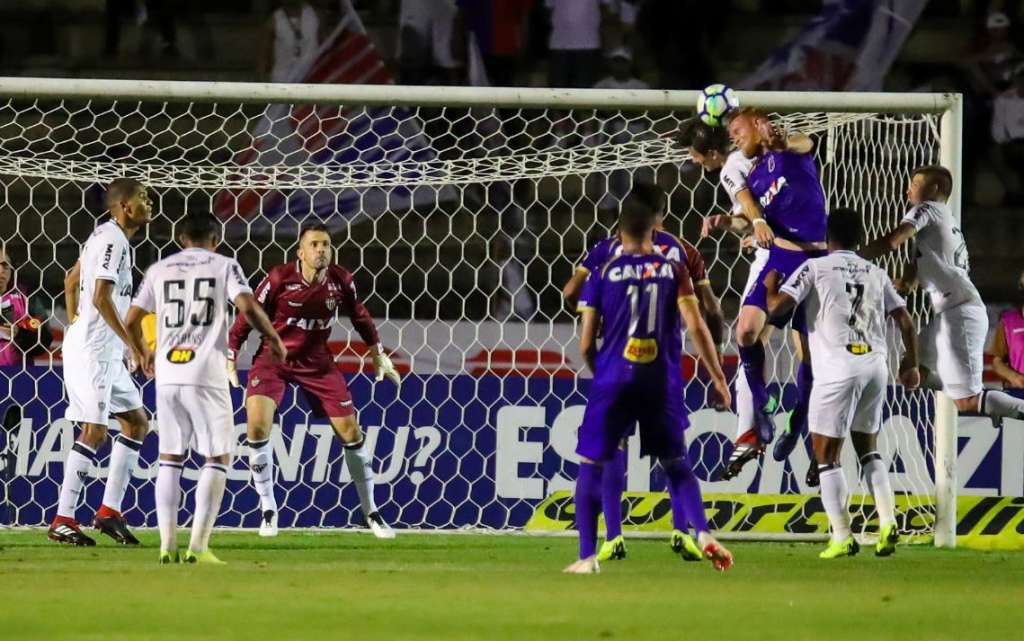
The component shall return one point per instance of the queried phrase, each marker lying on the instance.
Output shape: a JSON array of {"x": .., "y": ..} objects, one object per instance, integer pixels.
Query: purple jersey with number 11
[{"x": 637, "y": 375}]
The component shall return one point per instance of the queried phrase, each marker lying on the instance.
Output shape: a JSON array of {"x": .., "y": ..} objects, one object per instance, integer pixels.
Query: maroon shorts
[{"x": 324, "y": 388}]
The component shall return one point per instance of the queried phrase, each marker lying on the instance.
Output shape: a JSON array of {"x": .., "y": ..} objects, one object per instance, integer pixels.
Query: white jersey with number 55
[
  {"x": 189, "y": 292},
  {"x": 847, "y": 301},
  {"x": 942, "y": 261}
]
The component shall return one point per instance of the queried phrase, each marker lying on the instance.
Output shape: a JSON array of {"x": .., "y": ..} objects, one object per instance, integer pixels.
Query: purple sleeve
[
  {"x": 590, "y": 297},
  {"x": 596, "y": 256}
]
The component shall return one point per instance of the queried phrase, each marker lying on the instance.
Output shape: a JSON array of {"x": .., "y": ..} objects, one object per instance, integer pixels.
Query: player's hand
[
  {"x": 903, "y": 286},
  {"x": 711, "y": 223},
  {"x": 1015, "y": 380},
  {"x": 233, "y": 369},
  {"x": 142, "y": 362},
  {"x": 718, "y": 404},
  {"x": 771, "y": 281},
  {"x": 277, "y": 349},
  {"x": 384, "y": 367},
  {"x": 748, "y": 243},
  {"x": 763, "y": 233},
  {"x": 773, "y": 138},
  {"x": 910, "y": 376},
  {"x": 724, "y": 395}
]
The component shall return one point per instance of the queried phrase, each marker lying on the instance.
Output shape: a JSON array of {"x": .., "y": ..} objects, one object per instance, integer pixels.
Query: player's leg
[
  {"x": 214, "y": 440},
  {"x": 359, "y": 461},
  {"x": 174, "y": 434},
  {"x": 209, "y": 494},
  {"x": 748, "y": 445},
  {"x": 751, "y": 321},
  {"x": 259, "y": 410},
  {"x": 830, "y": 414},
  {"x": 867, "y": 421},
  {"x": 797, "y": 424},
  {"x": 613, "y": 483}
]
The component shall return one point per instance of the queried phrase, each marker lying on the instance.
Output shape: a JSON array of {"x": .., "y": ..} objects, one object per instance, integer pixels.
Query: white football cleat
[
  {"x": 379, "y": 527},
  {"x": 588, "y": 565},
  {"x": 268, "y": 523}
]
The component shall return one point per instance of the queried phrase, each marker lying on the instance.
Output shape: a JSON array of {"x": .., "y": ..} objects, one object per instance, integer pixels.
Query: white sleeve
[
  {"x": 113, "y": 249},
  {"x": 732, "y": 178},
  {"x": 800, "y": 283},
  {"x": 919, "y": 216},
  {"x": 237, "y": 283},
  {"x": 145, "y": 297},
  {"x": 892, "y": 298}
]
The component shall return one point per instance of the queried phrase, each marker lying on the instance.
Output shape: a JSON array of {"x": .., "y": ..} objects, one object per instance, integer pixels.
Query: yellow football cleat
[
  {"x": 612, "y": 550},
  {"x": 837, "y": 549},
  {"x": 684, "y": 545},
  {"x": 887, "y": 540},
  {"x": 207, "y": 558},
  {"x": 167, "y": 558}
]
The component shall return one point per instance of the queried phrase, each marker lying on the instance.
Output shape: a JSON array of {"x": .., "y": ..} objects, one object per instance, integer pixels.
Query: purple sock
[
  {"x": 613, "y": 482},
  {"x": 752, "y": 357},
  {"x": 588, "y": 503},
  {"x": 804, "y": 383},
  {"x": 684, "y": 493}
]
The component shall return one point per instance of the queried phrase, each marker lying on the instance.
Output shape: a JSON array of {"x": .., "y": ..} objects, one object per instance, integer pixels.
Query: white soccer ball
[{"x": 714, "y": 102}]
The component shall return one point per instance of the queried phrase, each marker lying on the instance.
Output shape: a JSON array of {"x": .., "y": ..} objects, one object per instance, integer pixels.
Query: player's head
[
  {"x": 199, "y": 229},
  {"x": 315, "y": 246},
  {"x": 6, "y": 272},
  {"x": 745, "y": 127},
  {"x": 128, "y": 202},
  {"x": 845, "y": 229},
  {"x": 641, "y": 211},
  {"x": 708, "y": 145},
  {"x": 930, "y": 182}
]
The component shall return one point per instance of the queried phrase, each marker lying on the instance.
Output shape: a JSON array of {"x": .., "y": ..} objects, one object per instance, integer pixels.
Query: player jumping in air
[
  {"x": 637, "y": 300},
  {"x": 188, "y": 291},
  {"x": 676, "y": 250},
  {"x": 847, "y": 301},
  {"x": 953, "y": 345},
  {"x": 98, "y": 290},
  {"x": 302, "y": 298}
]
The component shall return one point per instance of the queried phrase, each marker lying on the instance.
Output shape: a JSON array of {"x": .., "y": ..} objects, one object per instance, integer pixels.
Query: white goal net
[{"x": 461, "y": 213}]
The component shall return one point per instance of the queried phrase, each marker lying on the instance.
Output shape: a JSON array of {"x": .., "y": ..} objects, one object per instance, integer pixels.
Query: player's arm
[
  {"x": 103, "y": 301},
  {"x": 799, "y": 143},
  {"x": 709, "y": 304},
  {"x": 751, "y": 211},
  {"x": 254, "y": 315},
  {"x": 573, "y": 287},
  {"x": 588, "y": 336},
  {"x": 266, "y": 293},
  {"x": 779, "y": 303},
  {"x": 910, "y": 375},
  {"x": 782, "y": 299},
  {"x": 367, "y": 330},
  {"x": 71, "y": 284},
  {"x": 888, "y": 243},
  {"x": 1000, "y": 353},
  {"x": 133, "y": 323},
  {"x": 705, "y": 345}
]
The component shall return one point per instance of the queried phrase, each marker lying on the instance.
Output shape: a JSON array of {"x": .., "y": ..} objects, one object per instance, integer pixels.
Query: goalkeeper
[{"x": 302, "y": 298}]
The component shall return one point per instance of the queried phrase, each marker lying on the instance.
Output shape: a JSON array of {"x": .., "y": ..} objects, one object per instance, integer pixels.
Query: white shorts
[
  {"x": 953, "y": 346},
  {"x": 756, "y": 267},
  {"x": 195, "y": 417},
  {"x": 433, "y": 21},
  {"x": 98, "y": 389},
  {"x": 853, "y": 404}
]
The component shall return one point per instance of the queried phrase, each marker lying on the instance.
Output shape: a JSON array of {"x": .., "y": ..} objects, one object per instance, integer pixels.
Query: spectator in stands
[
  {"x": 1007, "y": 349},
  {"x": 499, "y": 27},
  {"x": 1007, "y": 129},
  {"x": 994, "y": 56},
  {"x": 428, "y": 51},
  {"x": 292, "y": 38},
  {"x": 617, "y": 129},
  {"x": 575, "y": 43},
  {"x": 620, "y": 66},
  {"x": 13, "y": 310},
  {"x": 155, "y": 12}
]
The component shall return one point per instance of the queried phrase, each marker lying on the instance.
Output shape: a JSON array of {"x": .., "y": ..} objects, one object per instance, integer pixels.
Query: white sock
[
  {"x": 76, "y": 469},
  {"x": 261, "y": 464},
  {"x": 744, "y": 404},
  {"x": 123, "y": 457},
  {"x": 876, "y": 475},
  {"x": 834, "y": 495},
  {"x": 168, "y": 498},
  {"x": 999, "y": 404},
  {"x": 209, "y": 492},
  {"x": 360, "y": 466}
]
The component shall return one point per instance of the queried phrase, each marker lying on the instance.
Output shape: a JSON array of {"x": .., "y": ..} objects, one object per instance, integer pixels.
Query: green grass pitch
[{"x": 476, "y": 587}]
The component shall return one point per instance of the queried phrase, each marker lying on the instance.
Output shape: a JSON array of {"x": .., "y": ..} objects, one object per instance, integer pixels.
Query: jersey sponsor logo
[
  {"x": 640, "y": 350},
  {"x": 640, "y": 272},
  {"x": 294, "y": 304},
  {"x": 292, "y": 287},
  {"x": 108, "y": 254},
  {"x": 310, "y": 324},
  {"x": 773, "y": 190},
  {"x": 181, "y": 355},
  {"x": 858, "y": 349}
]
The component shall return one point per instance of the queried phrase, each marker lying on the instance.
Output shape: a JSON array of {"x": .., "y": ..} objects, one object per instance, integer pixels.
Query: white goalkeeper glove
[
  {"x": 232, "y": 369},
  {"x": 383, "y": 365}
]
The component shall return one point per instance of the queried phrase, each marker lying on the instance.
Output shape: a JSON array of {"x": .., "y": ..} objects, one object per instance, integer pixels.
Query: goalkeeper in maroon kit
[{"x": 302, "y": 298}]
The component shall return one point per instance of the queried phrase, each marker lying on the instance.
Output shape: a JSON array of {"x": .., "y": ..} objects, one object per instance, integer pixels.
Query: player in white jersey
[
  {"x": 953, "y": 342},
  {"x": 98, "y": 384},
  {"x": 188, "y": 291},
  {"x": 847, "y": 302}
]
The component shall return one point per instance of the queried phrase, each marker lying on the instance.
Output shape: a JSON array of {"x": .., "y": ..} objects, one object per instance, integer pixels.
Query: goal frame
[{"x": 949, "y": 106}]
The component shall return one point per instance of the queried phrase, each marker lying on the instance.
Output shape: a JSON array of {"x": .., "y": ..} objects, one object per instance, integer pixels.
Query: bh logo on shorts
[{"x": 179, "y": 355}]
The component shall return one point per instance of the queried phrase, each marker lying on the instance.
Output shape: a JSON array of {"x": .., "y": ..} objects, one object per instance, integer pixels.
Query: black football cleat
[
  {"x": 742, "y": 453},
  {"x": 113, "y": 525},
  {"x": 69, "y": 534}
]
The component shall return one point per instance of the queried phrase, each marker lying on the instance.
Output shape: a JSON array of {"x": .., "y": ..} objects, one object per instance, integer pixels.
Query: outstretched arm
[{"x": 888, "y": 243}]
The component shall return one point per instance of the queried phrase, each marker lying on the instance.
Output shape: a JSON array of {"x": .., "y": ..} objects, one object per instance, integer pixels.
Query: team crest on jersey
[
  {"x": 331, "y": 303},
  {"x": 771, "y": 163},
  {"x": 292, "y": 287},
  {"x": 181, "y": 355}
]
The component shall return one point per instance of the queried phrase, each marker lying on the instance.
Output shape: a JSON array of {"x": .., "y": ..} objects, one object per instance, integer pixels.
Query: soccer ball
[{"x": 714, "y": 102}]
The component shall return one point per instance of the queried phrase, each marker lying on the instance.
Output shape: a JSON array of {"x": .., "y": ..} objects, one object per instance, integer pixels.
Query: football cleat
[
  {"x": 588, "y": 565},
  {"x": 812, "y": 479},
  {"x": 614, "y": 550},
  {"x": 203, "y": 558},
  {"x": 742, "y": 453},
  {"x": 788, "y": 441},
  {"x": 684, "y": 545},
  {"x": 379, "y": 527},
  {"x": 68, "y": 533},
  {"x": 887, "y": 540},
  {"x": 111, "y": 523},
  {"x": 167, "y": 558},
  {"x": 763, "y": 421},
  {"x": 720, "y": 557},
  {"x": 838, "y": 549},
  {"x": 268, "y": 523}
]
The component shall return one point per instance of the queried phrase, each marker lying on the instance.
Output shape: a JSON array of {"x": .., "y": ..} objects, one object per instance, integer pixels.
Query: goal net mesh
[{"x": 461, "y": 226}]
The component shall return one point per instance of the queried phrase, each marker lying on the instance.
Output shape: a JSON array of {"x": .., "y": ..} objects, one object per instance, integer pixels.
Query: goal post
[{"x": 462, "y": 212}]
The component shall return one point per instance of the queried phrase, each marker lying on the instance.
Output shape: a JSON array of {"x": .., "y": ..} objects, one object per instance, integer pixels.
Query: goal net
[{"x": 462, "y": 213}]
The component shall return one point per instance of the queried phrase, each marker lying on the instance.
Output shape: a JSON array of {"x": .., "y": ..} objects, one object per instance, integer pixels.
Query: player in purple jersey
[
  {"x": 640, "y": 301},
  {"x": 785, "y": 182},
  {"x": 676, "y": 250}
]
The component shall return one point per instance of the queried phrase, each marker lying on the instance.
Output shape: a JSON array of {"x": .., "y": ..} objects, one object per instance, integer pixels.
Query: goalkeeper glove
[
  {"x": 232, "y": 369},
  {"x": 383, "y": 365}
]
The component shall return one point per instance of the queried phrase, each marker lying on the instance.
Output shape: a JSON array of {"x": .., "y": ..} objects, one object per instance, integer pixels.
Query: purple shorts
[
  {"x": 614, "y": 407},
  {"x": 784, "y": 261}
]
